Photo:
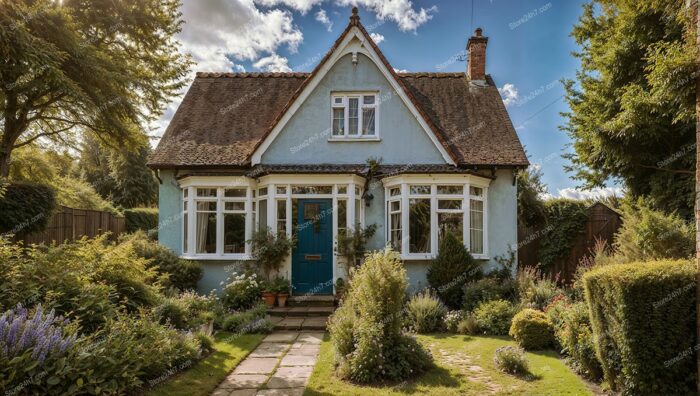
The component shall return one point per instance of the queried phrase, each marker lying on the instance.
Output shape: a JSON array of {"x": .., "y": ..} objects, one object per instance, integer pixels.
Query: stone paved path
[{"x": 280, "y": 365}]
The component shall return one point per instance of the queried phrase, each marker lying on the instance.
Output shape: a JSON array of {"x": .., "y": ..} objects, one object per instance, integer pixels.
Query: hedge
[
  {"x": 26, "y": 208},
  {"x": 141, "y": 219},
  {"x": 643, "y": 319}
]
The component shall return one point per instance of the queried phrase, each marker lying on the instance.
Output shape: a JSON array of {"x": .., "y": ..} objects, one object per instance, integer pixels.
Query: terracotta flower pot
[
  {"x": 269, "y": 299},
  {"x": 282, "y": 299}
]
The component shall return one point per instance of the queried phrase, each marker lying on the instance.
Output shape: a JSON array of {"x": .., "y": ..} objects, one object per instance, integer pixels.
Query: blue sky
[{"x": 529, "y": 50}]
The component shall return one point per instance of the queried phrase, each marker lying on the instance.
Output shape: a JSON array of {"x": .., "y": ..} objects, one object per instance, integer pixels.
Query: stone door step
[
  {"x": 300, "y": 311},
  {"x": 300, "y": 323},
  {"x": 311, "y": 301}
]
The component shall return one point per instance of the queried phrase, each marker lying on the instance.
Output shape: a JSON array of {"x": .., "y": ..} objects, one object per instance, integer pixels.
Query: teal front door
[{"x": 312, "y": 258}]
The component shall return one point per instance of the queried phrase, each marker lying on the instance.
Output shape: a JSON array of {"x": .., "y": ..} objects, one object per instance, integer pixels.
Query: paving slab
[
  {"x": 256, "y": 366},
  {"x": 282, "y": 336},
  {"x": 310, "y": 338},
  {"x": 294, "y": 372},
  {"x": 269, "y": 349},
  {"x": 298, "y": 360},
  {"x": 304, "y": 349},
  {"x": 244, "y": 381},
  {"x": 281, "y": 392},
  {"x": 321, "y": 310},
  {"x": 285, "y": 383},
  {"x": 244, "y": 392},
  {"x": 290, "y": 323},
  {"x": 221, "y": 392}
]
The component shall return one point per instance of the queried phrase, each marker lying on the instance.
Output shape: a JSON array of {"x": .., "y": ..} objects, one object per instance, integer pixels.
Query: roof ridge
[
  {"x": 433, "y": 74},
  {"x": 251, "y": 74}
]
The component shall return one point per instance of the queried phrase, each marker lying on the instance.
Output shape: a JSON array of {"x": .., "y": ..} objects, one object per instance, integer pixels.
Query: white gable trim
[{"x": 347, "y": 46}]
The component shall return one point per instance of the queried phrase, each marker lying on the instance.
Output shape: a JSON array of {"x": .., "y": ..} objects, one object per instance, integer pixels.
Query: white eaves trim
[{"x": 348, "y": 46}]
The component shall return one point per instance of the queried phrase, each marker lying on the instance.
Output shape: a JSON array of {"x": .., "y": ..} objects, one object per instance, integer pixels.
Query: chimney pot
[{"x": 476, "y": 58}]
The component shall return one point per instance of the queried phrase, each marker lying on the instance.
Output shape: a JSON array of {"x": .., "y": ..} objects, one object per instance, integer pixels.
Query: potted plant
[
  {"x": 269, "y": 250},
  {"x": 268, "y": 294},
  {"x": 339, "y": 288},
  {"x": 282, "y": 287}
]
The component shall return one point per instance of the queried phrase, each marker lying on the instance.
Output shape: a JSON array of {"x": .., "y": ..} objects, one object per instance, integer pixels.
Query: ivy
[{"x": 565, "y": 219}]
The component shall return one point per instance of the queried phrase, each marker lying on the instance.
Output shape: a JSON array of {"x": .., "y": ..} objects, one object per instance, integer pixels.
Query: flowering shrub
[
  {"x": 511, "y": 360},
  {"x": 241, "y": 291},
  {"x": 468, "y": 325},
  {"x": 452, "y": 320},
  {"x": 494, "y": 317},
  {"x": 425, "y": 312}
]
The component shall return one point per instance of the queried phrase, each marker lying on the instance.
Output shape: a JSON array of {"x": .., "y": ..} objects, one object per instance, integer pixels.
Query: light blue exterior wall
[
  {"x": 304, "y": 140},
  {"x": 170, "y": 212}
]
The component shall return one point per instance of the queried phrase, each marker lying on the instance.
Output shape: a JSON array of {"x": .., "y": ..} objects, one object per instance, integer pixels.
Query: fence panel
[{"x": 68, "y": 224}]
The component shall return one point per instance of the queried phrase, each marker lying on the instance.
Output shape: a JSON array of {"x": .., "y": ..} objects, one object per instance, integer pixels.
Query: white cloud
[
  {"x": 509, "y": 94},
  {"x": 273, "y": 63},
  {"x": 378, "y": 38},
  {"x": 323, "y": 18},
  {"x": 596, "y": 193},
  {"x": 400, "y": 70},
  {"x": 399, "y": 11},
  {"x": 303, "y": 6}
]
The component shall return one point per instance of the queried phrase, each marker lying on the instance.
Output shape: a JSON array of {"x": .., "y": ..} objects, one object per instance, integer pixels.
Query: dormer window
[{"x": 354, "y": 116}]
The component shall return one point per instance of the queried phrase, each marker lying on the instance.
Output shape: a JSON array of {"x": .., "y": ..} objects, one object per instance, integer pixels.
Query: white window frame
[
  {"x": 345, "y": 105},
  {"x": 404, "y": 182}
]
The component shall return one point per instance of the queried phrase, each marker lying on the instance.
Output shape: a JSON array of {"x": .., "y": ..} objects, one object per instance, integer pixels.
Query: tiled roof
[{"x": 225, "y": 116}]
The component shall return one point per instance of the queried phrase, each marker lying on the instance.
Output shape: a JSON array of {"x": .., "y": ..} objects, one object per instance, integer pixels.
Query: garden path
[{"x": 280, "y": 365}]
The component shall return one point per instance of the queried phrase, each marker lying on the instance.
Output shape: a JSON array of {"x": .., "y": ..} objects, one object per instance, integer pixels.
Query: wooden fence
[
  {"x": 68, "y": 224},
  {"x": 602, "y": 224}
]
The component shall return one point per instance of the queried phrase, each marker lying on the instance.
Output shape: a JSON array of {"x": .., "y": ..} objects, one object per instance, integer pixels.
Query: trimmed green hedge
[
  {"x": 643, "y": 319},
  {"x": 141, "y": 219},
  {"x": 26, "y": 208}
]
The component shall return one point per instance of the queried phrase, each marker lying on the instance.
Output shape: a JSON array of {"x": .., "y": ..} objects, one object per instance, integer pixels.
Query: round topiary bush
[
  {"x": 366, "y": 330},
  {"x": 511, "y": 360},
  {"x": 532, "y": 330},
  {"x": 494, "y": 317}
]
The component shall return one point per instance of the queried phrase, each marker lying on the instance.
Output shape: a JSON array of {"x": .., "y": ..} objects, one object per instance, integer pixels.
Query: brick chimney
[{"x": 476, "y": 50}]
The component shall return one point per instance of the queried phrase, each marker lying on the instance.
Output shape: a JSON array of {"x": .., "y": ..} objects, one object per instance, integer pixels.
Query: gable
[{"x": 304, "y": 139}]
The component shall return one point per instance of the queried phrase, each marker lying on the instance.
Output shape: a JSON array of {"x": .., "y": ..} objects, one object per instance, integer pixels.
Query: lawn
[
  {"x": 203, "y": 377},
  {"x": 464, "y": 367}
]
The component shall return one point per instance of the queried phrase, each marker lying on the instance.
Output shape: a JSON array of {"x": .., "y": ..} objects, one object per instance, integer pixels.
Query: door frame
[{"x": 331, "y": 238}]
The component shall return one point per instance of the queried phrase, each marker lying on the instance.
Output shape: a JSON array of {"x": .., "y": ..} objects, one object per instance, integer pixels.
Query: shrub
[
  {"x": 532, "y": 330},
  {"x": 452, "y": 320},
  {"x": 172, "y": 311},
  {"x": 178, "y": 273},
  {"x": 242, "y": 291},
  {"x": 648, "y": 234},
  {"x": 494, "y": 317},
  {"x": 556, "y": 310},
  {"x": 26, "y": 208},
  {"x": 206, "y": 342},
  {"x": 144, "y": 219},
  {"x": 451, "y": 269},
  {"x": 487, "y": 289},
  {"x": 643, "y": 319},
  {"x": 270, "y": 250},
  {"x": 366, "y": 330},
  {"x": 575, "y": 336},
  {"x": 535, "y": 290},
  {"x": 250, "y": 321},
  {"x": 425, "y": 312},
  {"x": 511, "y": 360},
  {"x": 565, "y": 219},
  {"x": 468, "y": 325}
]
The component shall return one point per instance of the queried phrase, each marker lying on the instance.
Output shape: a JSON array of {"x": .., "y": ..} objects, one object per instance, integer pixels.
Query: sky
[{"x": 528, "y": 53}]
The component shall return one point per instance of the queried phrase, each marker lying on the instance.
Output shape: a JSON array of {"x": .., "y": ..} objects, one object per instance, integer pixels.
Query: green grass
[
  {"x": 464, "y": 366},
  {"x": 203, "y": 377}
]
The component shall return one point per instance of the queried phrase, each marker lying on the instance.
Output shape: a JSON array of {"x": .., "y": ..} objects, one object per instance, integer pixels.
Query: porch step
[
  {"x": 299, "y": 323},
  {"x": 311, "y": 301},
  {"x": 301, "y": 312}
]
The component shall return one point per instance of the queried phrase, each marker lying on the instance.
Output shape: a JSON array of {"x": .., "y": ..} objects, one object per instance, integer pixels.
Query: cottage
[{"x": 290, "y": 151}]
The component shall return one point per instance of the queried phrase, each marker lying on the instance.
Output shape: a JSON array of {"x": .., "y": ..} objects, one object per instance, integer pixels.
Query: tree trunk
[
  {"x": 694, "y": 5},
  {"x": 4, "y": 163}
]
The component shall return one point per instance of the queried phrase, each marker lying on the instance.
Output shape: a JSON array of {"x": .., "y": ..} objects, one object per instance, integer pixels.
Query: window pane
[
  {"x": 184, "y": 206},
  {"x": 395, "y": 206},
  {"x": 235, "y": 192},
  {"x": 185, "y": 191},
  {"x": 206, "y": 206},
  {"x": 368, "y": 99},
  {"x": 357, "y": 212},
  {"x": 451, "y": 222},
  {"x": 338, "y": 100},
  {"x": 234, "y": 205},
  {"x": 353, "y": 116},
  {"x": 395, "y": 231},
  {"x": 395, "y": 191},
  {"x": 342, "y": 189},
  {"x": 420, "y": 190},
  {"x": 312, "y": 189},
  {"x": 234, "y": 233},
  {"x": 184, "y": 233},
  {"x": 281, "y": 216},
  {"x": 206, "y": 192},
  {"x": 476, "y": 191},
  {"x": 338, "y": 121},
  {"x": 450, "y": 204},
  {"x": 451, "y": 190},
  {"x": 342, "y": 216},
  {"x": 206, "y": 232},
  {"x": 476, "y": 225},
  {"x": 419, "y": 225},
  {"x": 281, "y": 189},
  {"x": 263, "y": 191},
  {"x": 262, "y": 214},
  {"x": 368, "y": 121}
]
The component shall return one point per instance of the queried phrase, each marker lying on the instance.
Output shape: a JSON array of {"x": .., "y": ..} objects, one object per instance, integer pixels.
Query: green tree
[
  {"x": 451, "y": 270},
  {"x": 632, "y": 105},
  {"x": 99, "y": 66},
  {"x": 531, "y": 210}
]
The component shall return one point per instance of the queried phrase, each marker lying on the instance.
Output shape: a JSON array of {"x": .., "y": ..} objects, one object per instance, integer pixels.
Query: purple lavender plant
[{"x": 42, "y": 334}]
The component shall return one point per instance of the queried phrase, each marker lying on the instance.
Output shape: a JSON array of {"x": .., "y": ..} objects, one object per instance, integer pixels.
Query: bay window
[
  {"x": 353, "y": 115},
  {"x": 421, "y": 210}
]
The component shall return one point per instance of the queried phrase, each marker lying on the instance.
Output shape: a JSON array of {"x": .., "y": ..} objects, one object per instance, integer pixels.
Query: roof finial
[{"x": 354, "y": 18}]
